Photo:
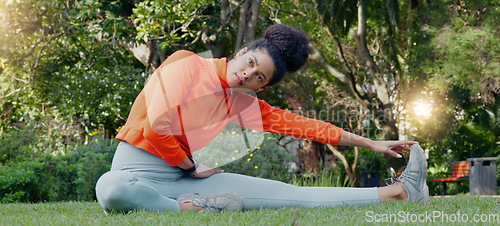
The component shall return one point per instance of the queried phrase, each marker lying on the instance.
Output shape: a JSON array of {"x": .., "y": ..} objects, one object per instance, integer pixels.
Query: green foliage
[
  {"x": 458, "y": 47},
  {"x": 174, "y": 23},
  {"x": 478, "y": 52},
  {"x": 72, "y": 60},
  {"x": 371, "y": 161},
  {"x": 61, "y": 177},
  {"x": 15, "y": 144},
  {"x": 101, "y": 97},
  {"x": 339, "y": 16},
  {"x": 268, "y": 161},
  {"x": 42, "y": 131},
  {"x": 94, "y": 160},
  {"x": 21, "y": 181}
]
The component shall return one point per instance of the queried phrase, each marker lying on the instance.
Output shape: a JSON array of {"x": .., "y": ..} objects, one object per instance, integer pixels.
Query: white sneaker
[{"x": 225, "y": 200}]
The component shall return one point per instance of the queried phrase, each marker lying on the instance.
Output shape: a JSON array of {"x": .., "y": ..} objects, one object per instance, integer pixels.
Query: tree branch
[
  {"x": 21, "y": 80},
  {"x": 350, "y": 174},
  {"x": 37, "y": 61},
  {"x": 12, "y": 92},
  {"x": 316, "y": 56},
  {"x": 356, "y": 89}
]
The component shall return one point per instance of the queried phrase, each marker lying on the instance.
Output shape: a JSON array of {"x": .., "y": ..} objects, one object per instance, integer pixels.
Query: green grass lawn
[{"x": 446, "y": 210}]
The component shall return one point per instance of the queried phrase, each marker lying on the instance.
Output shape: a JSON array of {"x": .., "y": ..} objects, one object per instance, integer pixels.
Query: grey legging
[{"x": 141, "y": 180}]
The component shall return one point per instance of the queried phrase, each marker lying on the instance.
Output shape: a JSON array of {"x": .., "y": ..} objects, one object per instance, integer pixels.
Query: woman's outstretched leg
[
  {"x": 140, "y": 180},
  {"x": 263, "y": 193}
]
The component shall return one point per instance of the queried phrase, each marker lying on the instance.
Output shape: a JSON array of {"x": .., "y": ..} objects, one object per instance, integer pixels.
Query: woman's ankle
[
  {"x": 188, "y": 206},
  {"x": 392, "y": 193}
]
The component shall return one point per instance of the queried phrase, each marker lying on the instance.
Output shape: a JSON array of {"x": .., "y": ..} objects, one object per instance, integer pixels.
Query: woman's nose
[{"x": 245, "y": 74}]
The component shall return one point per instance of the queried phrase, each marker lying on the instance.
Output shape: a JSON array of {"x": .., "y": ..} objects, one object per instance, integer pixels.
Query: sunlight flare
[{"x": 423, "y": 109}]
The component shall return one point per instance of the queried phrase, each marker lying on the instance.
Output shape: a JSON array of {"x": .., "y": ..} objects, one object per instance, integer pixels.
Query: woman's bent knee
[{"x": 114, "y": 191}]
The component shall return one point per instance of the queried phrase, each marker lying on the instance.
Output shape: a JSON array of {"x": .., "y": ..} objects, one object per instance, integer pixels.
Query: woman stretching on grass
[{"x": 188, "y": 100}]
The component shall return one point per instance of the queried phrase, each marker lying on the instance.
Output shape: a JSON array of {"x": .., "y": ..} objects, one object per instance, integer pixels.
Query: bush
[
  {"x": 269, "y": 161},
  {"x": 15, "y": 144},
  {"x": 62, "y": 172},
  {"x": 22, "y": 181},
  {"x": 61, "y": 177}
]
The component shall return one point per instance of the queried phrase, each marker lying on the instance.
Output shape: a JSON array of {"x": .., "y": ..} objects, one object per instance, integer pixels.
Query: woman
[{"x": 188, "y": 100}]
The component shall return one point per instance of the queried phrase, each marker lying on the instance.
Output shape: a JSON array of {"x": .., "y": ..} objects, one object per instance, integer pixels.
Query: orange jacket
[{"x": 187, "y": 102}]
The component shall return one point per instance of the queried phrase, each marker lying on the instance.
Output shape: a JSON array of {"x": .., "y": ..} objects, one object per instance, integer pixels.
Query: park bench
[{"x": 459, "y": 172}]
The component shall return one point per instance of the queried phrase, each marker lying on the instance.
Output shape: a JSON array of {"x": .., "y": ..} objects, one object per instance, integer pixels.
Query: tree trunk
[
  {"x": 384, "y": 116},
  {"x": 309, "y": 156},
  {"x": 217, "y": 46},
  {"x": 217, "y": 49},
  {"x": 249, "y": 16},
  {"x": 252, "y": 21}
]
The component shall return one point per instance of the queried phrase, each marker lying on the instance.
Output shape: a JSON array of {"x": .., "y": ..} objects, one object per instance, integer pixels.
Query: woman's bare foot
[
  {"x": 188, "y": 206},
  {"x": 392, "y": 193}
]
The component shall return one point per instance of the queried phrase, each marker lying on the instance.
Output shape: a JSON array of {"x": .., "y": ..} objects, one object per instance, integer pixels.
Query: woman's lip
[{"x": 238, "y": 80}]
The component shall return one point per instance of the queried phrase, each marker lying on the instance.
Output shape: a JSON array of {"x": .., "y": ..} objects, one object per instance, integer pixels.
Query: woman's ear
[{"x": 241, "y": 52}]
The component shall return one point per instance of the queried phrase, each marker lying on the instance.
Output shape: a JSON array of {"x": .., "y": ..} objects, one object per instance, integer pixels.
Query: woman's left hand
[
  {"x": 204, "y": 171},
  {"x": 392, "y": 147}
]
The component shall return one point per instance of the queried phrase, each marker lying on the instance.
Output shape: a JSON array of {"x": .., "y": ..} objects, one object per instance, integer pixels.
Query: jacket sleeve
[
  {"x": 164, "y": 93},
  {"x": 263, "y": 117}
]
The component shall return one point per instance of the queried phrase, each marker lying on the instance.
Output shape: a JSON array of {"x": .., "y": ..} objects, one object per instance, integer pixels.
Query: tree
[
  {"x": 461, "y": 68},
  {"x": 64, "y": 57},
  {"x": 166, "y": 25},
  {"x": 374, "y": 87},
  {"x": 249, "y": 15},
  {"x": 365, "y": 65}
]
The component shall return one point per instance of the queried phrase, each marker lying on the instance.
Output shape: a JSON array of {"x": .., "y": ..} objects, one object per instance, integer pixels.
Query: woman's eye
[
  {"x": 259, "y": 77},
  {"x": 250, "y": 61}
]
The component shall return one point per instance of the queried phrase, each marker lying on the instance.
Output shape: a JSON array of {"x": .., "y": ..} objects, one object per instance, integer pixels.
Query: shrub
[
  {"x": 22, "y": 181},
  {"x": 60, "y": 177},
  {"x": 269, "y": 161},
  {"x": 62, "y": 173},
  {"x": 15, "y": 144}
]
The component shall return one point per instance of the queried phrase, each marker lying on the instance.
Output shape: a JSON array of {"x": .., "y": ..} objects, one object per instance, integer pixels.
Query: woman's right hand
[{"x": 204, "y": 171}]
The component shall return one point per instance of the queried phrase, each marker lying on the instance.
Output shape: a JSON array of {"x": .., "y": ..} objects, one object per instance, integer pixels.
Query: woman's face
[{"x": 251, "y": 70}]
